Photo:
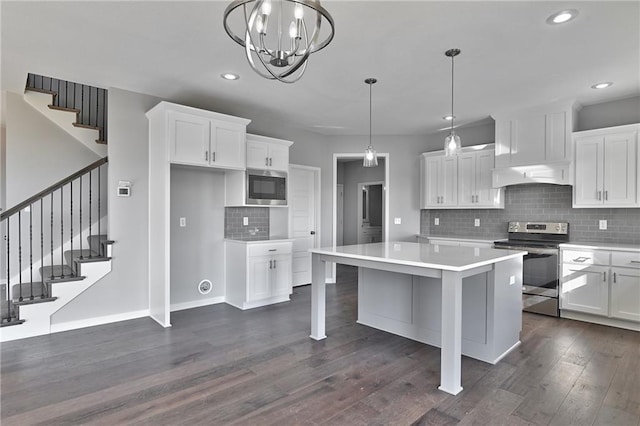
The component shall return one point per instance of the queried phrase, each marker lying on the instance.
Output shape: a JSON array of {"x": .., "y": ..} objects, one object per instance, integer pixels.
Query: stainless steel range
[{"x": 541, "y": 274}]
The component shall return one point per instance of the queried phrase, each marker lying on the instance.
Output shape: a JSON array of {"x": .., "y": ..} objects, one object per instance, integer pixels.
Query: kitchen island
[{"x": 466, "y": 300}]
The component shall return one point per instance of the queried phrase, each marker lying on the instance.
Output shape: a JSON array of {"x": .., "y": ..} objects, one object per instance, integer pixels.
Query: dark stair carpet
[
  {"x": 30, "y": 293},
  {"x": 58, "y": 273},
  {"x": 97, "y": 243}
]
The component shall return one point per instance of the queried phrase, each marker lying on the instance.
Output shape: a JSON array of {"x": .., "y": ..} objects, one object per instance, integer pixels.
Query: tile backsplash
[
  {"x": 257, "y": 229},
  {"x": 536, "y": 202}
]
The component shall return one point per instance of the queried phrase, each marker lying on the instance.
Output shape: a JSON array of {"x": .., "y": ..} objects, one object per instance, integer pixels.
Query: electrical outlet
[
  {"x": 183, "y": 222},
  {"x": 245, "y": 221},
  {"x": 602, "y": 225},
  {"x": 397, "y": 220},
  {"x": 476, "y": 222},
  {"x": 436, "y": 221}
]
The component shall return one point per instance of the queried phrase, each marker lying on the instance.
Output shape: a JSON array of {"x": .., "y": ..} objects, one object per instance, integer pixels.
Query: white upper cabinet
[
  {"x": 606, "y": 167},
  {"x": 267, "y": 153},
  {"x": 205, "y": 138},
  {"x": 462, "y": 181}
]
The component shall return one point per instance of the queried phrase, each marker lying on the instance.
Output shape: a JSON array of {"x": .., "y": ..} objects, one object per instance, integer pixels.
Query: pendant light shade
[
  {"x": 452, "y": 143},
  {"x": 370, "y": 155}
]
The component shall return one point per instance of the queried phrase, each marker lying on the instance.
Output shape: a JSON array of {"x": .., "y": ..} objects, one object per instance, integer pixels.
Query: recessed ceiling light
[
  {"x": 562, "y": 17},
  {"x": 448, "y": 117},
  {"x": 230, "y": 76},
  {"x": 602, "y": 85}
]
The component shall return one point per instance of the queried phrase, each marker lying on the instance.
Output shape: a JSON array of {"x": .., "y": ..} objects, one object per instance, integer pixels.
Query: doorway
[
  {"x": 370, "y": 212},
  {"x": 379, "y": 175}
]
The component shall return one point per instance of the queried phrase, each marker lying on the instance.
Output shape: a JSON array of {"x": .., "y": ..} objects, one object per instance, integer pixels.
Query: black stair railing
[
  {"x": 24, "y": 228},
  {"x": 89, "y": 102}
]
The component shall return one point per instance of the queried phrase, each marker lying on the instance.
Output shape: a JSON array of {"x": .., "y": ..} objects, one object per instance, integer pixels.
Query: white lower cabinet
[
  {"x": 601, "y": 286},
  {"x": 258, "y": 272}
]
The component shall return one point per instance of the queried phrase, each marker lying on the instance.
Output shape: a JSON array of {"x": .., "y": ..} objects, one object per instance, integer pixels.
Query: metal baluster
[
  {"x": 89, "y": 117},
  {"x": 51, "y": 234},
  {"x": 99, "y": 193},
  {"x": 8, "y": 238},
  {"x": 61, "y": 233},
  {"x": 31, "y": 252},
  {"x": 20, "y": 254},
  {"x": 81, "y": 102},
  {"x": 71, "y": 222},
  {"x": 81, "y": 255},
  {"x": 57, "y": 102},
  {"x": 45, "y": 289},
  {"x": 90, "y": 208}
]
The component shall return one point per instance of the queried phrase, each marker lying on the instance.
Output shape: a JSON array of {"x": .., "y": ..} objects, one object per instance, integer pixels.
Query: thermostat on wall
[{"x": 124, "y": 188}]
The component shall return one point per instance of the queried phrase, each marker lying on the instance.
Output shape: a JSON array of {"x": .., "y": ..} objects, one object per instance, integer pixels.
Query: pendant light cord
[
  {"x": 370, "y": 119},
  {"x": 452, "y": 117}
]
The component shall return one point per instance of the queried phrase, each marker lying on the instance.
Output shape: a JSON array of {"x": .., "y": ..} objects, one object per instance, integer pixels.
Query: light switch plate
[
  {"x": 397, "y": 220},
  {"x": 602, "y": 225},
  {"x": 245, "y": 221},
  {"x": 476, "y": 222},
  {"x": 183, "y": 222},
  {"x": 436, "y": 221}
]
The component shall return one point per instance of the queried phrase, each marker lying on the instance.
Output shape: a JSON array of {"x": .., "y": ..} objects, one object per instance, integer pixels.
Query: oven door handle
[{"x": 532, "y": 250}]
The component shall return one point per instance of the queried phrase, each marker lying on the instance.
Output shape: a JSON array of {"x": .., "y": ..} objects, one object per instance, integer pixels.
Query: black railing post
[
  {"x": 51, "y": 239},
  {"x": 99, "y": 197},
  {"x": 61, "y": 232},
  {"x": 44, "y": 287},
  {"x": 20, "y": 254},
  {"x": 8, "y": 289},
  {"x": 81, "y": 253},
  {"x": 71, "y": 226},
  {"x": 90, "y": 208}
]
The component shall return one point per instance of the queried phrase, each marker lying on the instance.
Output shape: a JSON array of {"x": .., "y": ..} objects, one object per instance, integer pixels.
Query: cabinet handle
[
  {"x": 271, "y": 264},
  {"x": 273, "y": 249},
  {"x": 206, "y": 156},
  {"x": 213, "y": 156},
  {"x": 270, "y": 161},
  {"x": 606, "y": 195},
  {"x": 266, "y": 161},
  {"x": 275, "y": 265},
  {"x": 599, "y": 195},
  {"x": 634, "y": 261},
  {"x": 604, "y": 276},
  {"x": 615, "y": 277},
  {"x": 581, "y": 259}
]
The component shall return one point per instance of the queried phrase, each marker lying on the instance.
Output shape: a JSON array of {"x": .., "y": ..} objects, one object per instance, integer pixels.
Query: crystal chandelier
[
  {"x": 452, "y": 142},
  {"x": 370, "y": 155},
  {"x": 273, "y": 50}
]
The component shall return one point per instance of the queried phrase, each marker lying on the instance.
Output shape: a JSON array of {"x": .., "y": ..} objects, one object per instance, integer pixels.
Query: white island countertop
[{"x": 446, "y": 258}]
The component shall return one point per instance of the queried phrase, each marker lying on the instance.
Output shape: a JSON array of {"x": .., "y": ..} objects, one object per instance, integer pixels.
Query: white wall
[
  {"x": 38, "y": 152},
  {"x": 125, "y": 290},
  {"x": 197, "y": 250}
]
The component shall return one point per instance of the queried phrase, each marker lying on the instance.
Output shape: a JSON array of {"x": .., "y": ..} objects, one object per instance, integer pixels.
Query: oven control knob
[{"x": 558, "y": 227}]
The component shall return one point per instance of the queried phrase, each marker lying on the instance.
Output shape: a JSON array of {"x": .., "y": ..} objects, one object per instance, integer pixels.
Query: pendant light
[
  {"x": 370, "y": 155},
  {"x": 452, "y": 142}
]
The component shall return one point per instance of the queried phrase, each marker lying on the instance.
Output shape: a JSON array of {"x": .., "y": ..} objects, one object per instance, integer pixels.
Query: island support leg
[
  {"x": 451, "y": 338},
  {"x": 318, "y": 297}
]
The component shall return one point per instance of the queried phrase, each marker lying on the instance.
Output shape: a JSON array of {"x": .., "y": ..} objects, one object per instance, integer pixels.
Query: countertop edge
[{"x": 601, "y": 246}]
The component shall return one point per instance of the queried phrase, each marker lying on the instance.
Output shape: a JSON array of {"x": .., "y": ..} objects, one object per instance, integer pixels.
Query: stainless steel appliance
[
  {"x": 541, "y": 276},
  {"x": 266, "y": 187}
]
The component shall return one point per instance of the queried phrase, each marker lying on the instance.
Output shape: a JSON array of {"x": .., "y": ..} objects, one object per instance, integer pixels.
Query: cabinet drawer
[
  {"x": 586, "y": 257},
  {"x": 626, "y": 259},
  {"x": 269, "y": 249}
]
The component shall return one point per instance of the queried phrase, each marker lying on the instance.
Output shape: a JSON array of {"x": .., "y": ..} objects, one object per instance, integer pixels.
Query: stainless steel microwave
[{"x": 266, "y": 187}]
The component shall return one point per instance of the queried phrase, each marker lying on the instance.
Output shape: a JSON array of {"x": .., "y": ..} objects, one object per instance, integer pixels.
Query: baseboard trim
[
  {"x": 596, "y": 319},
  {"x": 92, "y": 322},
  {"x": 196, "y": 303}
]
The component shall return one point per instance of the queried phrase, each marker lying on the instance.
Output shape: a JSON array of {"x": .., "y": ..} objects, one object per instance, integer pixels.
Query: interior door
[{"x": 302, "y": 220}]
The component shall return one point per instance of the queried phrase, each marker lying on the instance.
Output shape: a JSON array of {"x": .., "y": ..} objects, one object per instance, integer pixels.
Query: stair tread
[
  {"x": 37, "y": 289},
  {"x": 14, "y": 321},
  {"x": 87, "y": 126},
  {"x": 60, "y": 108},
  {"x": 49, "y": 92},
  {"x": 60, "y": 273}
]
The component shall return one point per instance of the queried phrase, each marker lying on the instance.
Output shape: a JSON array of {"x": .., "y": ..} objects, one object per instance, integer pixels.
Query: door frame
[
  {"x": 361, "y": 186},
  {"x": 334, "y": 199}
]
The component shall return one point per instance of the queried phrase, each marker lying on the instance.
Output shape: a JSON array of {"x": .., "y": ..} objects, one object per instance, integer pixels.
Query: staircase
[
  {"x": 54, "y": 248},
  {"x": 79, "y": 109}
]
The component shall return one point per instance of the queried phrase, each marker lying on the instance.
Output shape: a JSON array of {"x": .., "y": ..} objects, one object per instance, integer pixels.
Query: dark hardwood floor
[{"x": 219, "y": 365}]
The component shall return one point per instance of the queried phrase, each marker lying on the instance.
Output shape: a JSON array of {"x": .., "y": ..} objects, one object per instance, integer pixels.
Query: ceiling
[{"x": 177, "y": 50}]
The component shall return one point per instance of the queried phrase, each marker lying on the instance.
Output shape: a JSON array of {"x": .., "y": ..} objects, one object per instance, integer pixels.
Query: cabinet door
[
  {"x": 449, "y": 181},
  {"x": 557, "y": 147},
  {"x": 620, "y": 182},
  {"x": 486, "y": 195},
  {"x": 625, "y": 294},
  {"x": 527, "y": 139},
  {"x": 585, "y": 289},
  {"x": 589, "y": 172},
  {"x": 227, "y": 146},
  {"x": 279, "y": 157},
  {"x": 467, "y": 179},
  {"x": 431, "y": 181},
  {"x": 503, "y": 143},
  {"x": 257, "y": 154},
  {"x": 258, "y": 282},
  {"x": 188, "y": 139},
  {"x": 281, "y": 275}
]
